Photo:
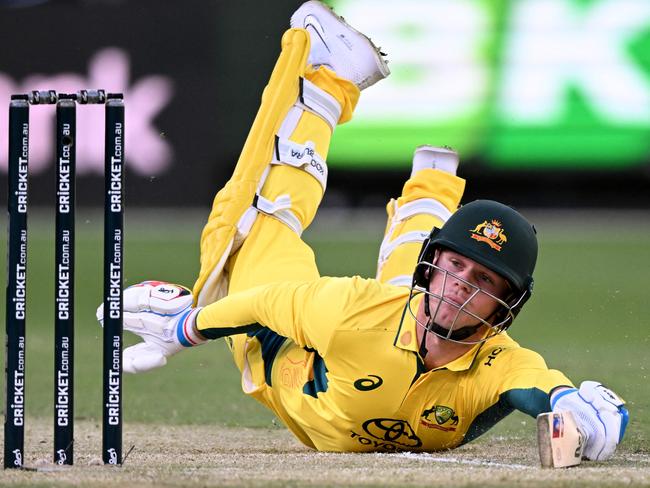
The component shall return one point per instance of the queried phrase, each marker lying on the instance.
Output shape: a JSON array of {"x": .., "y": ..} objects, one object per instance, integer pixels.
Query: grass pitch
[
  {"x": 212, "y": 455},
  {"x": 191, "y": 425}
]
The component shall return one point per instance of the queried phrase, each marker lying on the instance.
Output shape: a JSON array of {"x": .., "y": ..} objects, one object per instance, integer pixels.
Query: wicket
[{"x": 64, "y": 273}]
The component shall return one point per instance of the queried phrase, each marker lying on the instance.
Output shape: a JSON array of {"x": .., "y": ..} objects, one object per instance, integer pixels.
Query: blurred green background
[
  {"x": 588, "y": 316},
  {"x": 517, "y": 83}
]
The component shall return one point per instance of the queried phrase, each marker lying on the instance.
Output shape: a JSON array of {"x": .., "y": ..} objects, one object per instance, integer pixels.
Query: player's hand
[
  {"x": 600, "y": 415},
  {"x": 161, "y": 314}
]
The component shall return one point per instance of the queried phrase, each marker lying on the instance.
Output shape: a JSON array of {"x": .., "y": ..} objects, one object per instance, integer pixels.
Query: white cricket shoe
[{"x": 338, "y": 46}]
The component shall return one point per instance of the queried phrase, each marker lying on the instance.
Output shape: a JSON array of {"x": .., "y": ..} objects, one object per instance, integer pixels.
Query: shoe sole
[{"x": 319, "y": 7}]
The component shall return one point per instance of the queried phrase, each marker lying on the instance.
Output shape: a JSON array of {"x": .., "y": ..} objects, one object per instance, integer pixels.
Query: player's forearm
[
  {"x": 531, "y": 401},
  {"x": 308, "y": 313},
  {"x": 269, "y": 306},
  {"x": 217, "y": 331},
  {"x": 234, "y": 314}
]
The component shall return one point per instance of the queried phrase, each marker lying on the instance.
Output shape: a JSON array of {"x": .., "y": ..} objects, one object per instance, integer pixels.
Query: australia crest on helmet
[{"x": 491, "y": 232}]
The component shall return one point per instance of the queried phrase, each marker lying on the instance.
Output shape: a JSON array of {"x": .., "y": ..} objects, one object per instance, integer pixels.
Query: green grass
[{"x": 588, "y": 317}]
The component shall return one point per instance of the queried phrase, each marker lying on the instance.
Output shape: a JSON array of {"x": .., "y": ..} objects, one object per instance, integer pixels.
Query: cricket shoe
[{"x": 339, "y": 47}]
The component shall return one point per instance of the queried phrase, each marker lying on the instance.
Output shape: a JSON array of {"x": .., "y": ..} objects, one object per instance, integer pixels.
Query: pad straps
[
  {"x": 413, "y": 236},
  {"x": 319, "y": 102},
  {"x": 302, "y": 156},
  {"x": 420, "y": 206},
  {"x": 279, "y": 209}
]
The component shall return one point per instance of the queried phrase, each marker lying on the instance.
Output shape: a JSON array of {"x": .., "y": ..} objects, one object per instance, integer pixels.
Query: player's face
[{"x": 459, "y": 286}]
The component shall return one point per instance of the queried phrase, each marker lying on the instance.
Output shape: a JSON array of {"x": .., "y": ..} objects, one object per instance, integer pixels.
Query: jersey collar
[
  {"x": 464, "y": 362},
  {"x": 406, "y": 339}
]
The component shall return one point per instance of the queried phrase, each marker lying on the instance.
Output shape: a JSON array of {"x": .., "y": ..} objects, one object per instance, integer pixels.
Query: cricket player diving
[{"x": 417, "y": 359}]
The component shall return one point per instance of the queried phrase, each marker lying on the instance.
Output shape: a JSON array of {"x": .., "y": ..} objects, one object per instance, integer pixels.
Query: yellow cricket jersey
[{"x": 337, "y": 360}]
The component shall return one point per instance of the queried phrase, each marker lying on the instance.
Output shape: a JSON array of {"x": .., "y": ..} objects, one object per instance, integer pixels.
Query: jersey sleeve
[
  {"x": 527, "y": 382},
  {"x": 306, "y": 312},
  {"x": 516, "y": 379}
]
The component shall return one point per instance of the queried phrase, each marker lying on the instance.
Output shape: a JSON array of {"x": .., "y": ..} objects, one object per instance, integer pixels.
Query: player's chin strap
[{"x": 457, "y": 335}]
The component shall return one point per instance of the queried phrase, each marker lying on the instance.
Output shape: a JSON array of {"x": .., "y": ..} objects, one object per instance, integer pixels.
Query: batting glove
[
  {"x": 162, "y": 315},
  {"x": 600, "y": 415}
]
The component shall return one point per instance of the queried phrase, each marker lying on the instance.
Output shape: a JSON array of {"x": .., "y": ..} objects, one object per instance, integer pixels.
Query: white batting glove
[
  {"x": 600, "y": 415},
  {"x": 162, "y": 314}
]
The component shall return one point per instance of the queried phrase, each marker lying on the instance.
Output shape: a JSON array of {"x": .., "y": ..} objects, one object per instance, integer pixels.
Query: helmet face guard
[
  {"x": 494, "y": 235},
  {"x": 497, "y": 322}
]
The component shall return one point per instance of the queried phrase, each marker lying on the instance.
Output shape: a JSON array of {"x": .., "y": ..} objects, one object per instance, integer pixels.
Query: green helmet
[{"x": 494, "y": 235}]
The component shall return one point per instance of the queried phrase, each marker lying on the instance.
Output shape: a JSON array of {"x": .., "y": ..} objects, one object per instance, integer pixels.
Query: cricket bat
[{"x": 559, "y": 440}]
